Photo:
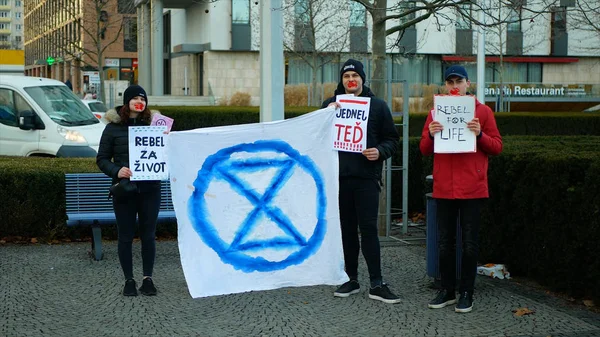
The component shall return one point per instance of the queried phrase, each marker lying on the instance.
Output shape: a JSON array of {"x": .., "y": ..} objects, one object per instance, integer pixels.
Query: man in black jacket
[{"x": 360, "y": 177}]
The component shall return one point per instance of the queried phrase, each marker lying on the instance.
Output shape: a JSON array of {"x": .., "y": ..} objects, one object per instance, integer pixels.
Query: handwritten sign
[
  {"x": 350, "y": 123},
  {"x": 147, "y": 155},
  {"x": 160, "y": 120},
  {"x": 454, "y": 112}
]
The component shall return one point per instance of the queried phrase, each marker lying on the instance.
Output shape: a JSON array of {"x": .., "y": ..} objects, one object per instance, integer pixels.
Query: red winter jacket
[{"x": 464, "y": 175}]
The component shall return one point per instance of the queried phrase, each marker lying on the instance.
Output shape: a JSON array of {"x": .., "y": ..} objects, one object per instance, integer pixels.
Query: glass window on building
[
  {"x": 4, "y": 14},
  {"x": 18, "y": 3},
  {"x": 130, "y": 34},
  {"x": 514, "y": 19},
  {"x": 302, "y": 11},
  {"x": 463, "y": 12},
  {"x": 126, "y": 7},
  {"x": 534, "y": 72},
  {"x": 4, "y": 2},
  {"x": 240, "y": 11},
  {"x": 358, "y": 15},
  {"x": 405, "y": 7}
]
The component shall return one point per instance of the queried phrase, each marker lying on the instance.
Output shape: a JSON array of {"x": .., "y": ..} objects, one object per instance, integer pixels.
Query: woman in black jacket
[{"x": 144, "y": 204}]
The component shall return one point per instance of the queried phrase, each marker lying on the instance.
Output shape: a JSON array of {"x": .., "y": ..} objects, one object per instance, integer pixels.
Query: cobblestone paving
[{"x": 60, "y": 291}]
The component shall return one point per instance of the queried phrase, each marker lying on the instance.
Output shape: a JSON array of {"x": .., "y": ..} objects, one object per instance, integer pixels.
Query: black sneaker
[
  {"x": 148, "y": 288},
  {"x": 382, "y": 293},
  {"x": 443, "y": 298},
  {"x": 349, "y": 288},
  {"x": 465, "y": 302},
  {"x": 129, "y": 289}
]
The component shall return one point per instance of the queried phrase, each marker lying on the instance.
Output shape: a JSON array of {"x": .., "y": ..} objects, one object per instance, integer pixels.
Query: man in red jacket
[{"x": 459, "y": 187}]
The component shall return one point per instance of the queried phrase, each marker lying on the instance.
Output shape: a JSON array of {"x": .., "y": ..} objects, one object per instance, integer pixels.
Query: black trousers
[
  {"x": 145, "y": 206},
  {"x": 469, "y": 212},
  {"x": 359, "y": 206}
]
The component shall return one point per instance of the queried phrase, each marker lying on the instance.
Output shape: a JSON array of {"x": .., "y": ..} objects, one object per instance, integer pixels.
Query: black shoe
[
  {"x": 382, "y": 293},
  {"x": 129, "y": 289},
  {"x": 347, "y": 289},
  {"x": 148, "y": 288},
  {"x": 465, "y": 302},
  {"x": 443, "y": 298}
]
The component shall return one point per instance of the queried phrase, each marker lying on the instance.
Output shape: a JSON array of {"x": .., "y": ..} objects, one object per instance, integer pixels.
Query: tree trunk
[
  {"x": 378, "y": 83},
  {"x": 379, "y": 52},
  {"x": 315, "y": 68}
]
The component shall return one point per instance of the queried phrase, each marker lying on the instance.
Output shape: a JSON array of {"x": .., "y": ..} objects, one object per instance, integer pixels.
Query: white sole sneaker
[
  {"x": 384, "y": 300},
  {"x": 441, "y": 305},
  {"x": 355, "y": 291},
  {"x": 469, "y": 309}
]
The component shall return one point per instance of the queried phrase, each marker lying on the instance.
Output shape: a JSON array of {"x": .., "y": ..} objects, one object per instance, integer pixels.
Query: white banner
[
  {"x": 454, "y": 112},
  {"x": 350, "y": 124},
  {"x": 257, "y": 205},
  {"x": 147, "y": 156}
]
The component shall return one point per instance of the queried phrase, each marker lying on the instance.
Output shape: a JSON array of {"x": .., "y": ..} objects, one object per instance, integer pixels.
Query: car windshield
[
  {"x": 61, "y": 105},
  {"x": 97, "y": 106}
]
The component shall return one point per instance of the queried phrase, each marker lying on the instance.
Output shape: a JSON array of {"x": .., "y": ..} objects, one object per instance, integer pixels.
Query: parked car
[
  {"x": 97, "y": 107},
  {"x": 43, "y": 117}
]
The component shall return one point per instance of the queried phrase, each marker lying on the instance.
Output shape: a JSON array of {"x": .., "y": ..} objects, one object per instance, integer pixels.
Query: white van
[{"x": 43, "y": 117}]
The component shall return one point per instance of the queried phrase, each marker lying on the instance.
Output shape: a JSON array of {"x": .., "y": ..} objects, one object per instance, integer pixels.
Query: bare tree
[
  {"x": 313, "y": 36},
  {"x": 86, "y": 33},
  {"x": 406, "y": 13},
  {"x": 585, "y": 17}
]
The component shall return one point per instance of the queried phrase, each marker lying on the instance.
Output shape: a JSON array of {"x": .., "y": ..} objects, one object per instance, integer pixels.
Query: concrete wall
[
  {"x": 586, "y": 71},
  {"x": 229, "y": 72}
]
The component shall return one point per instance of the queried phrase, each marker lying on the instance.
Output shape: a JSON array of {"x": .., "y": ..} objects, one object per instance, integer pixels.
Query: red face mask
[
  {"x": 352, "y": 84},
  {"x": 139, "y": 106},
  {"x": 455, "y": 91}
]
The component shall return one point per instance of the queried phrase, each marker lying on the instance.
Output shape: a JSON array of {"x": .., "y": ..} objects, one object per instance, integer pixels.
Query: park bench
[{"x": 87, "y": 204}]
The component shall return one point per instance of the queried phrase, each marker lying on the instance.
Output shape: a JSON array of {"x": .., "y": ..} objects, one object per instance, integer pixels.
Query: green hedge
[
  {"x": 509, "y": 123},
  {"x": 542, "y": 220}
]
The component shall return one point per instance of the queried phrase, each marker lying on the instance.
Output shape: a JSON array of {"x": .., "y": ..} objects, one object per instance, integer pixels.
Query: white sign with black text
[
  {"x": 350, "y": 123},
  {"x": 147, "y": 153},
  {"x": 454, "y": 112}
]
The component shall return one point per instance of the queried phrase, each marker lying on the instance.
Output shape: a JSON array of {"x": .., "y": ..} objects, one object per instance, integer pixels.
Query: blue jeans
[{"x": 469, "y": 212}]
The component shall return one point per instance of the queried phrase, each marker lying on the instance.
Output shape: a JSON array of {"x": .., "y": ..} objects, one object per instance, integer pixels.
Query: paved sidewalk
[{"x": 59, "y": 291}]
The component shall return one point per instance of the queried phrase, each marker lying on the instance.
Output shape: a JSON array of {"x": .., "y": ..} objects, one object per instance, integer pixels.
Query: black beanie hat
[
  {"x": 353, "y": 65},
  {"x": 133, "y": 91}
]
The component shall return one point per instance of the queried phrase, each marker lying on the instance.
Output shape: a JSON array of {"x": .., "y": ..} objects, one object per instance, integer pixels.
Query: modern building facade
[
  {"x": 11, "y": 24},
  {"x": 212, "y": 48},
  {"x": 63, "y": 37}
]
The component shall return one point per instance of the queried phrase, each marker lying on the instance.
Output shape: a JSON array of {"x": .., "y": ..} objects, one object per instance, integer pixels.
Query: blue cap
[{"x": 456, "y": 70}]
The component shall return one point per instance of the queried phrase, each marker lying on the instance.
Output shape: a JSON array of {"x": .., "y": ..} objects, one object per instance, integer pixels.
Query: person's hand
[
  {"x": 124, "y": 172},
  {"x": 435, "y": 127},
  {"x": 335, "y": 105},
  {"x": 474, "y": 126},
  {"x": 371, "y": 153}
]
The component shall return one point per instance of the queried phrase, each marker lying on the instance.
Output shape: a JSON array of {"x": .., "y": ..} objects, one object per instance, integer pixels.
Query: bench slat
[{"x": 87, "y": 200}]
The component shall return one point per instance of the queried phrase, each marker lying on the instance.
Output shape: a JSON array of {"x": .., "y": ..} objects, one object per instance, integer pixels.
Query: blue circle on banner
[{"x": 220, "y": 166}]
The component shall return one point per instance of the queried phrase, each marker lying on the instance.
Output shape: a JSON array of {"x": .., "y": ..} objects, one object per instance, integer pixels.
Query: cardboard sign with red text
[
  {"x": 454, "y": 112},
  {"x": 350, "y": 123}
]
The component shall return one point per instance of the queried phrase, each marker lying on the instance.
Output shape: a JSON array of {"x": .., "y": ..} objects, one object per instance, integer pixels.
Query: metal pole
[
  {"x": 481, "y": 57},
  {"x": 185, "y": 81},
  {"x": 405, "y": 141},
  {"x": 388, "y": 162},
  {"x": 271, "y": 61},
  {"x": 157, "y": 46}
]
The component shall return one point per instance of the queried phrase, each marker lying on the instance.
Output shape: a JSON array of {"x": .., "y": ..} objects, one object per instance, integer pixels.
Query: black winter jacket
[
  {"x": 113, "y": 152},
  {"x": 381, "y": 133}
]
